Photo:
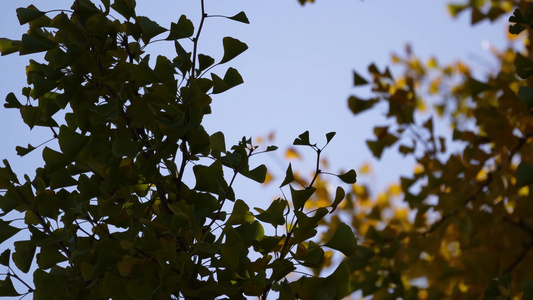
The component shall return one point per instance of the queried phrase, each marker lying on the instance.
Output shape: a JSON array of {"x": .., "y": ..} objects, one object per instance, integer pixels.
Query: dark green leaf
[
  {"x": 61, "y": 178},
  {"x": 30, "y": 44},
  {"x": 231, "y": 79},
  {"x": 349, "y": 177},
  {"x": 124, "y": 7},
  {"x": 140, "y": 291},
  {"x": 274, "y": 215},
  {"x": 205, "y": 61},
  {"x": 524, "y": 174},
  {"x": 232, "y": 48},
  {"x": 289, "y": 176},
  {"x": 528, "y": 289},
  {"x": 241, "y": 214},
  {"x": 6, "y": 231},
  {"x": 299, "y": 197},
  {"x": 12, "y": 101},
  {"x": 358, "y": 105},
  {"x": 240, "y": 17},
  {"x": 23, "y": 256},
  {"x": 230, "y": 250},
  {"x": 41, "y": 86},
  {"x": 329, "y": 136},
  {"x": 4, "y": 257},
  {"x": 477, "y": 87},
  {"x": 258, "y": 174},
  {"x": 183, "y": 29},
  {"x": 302, "y": 139},
  {"x": 525, "y": 94},
  {"x": 71, "y": 142},
  {"x": 339, "y": 196},
  {"x": 358, "y": 80},
  {"x": 49, "y": 256},
  {"x": 124, "y": 147},
  {"x": 343, "y": 240},
  {"x": 21, "y": 151},
  {"x": 217, "y": 142},
  {"x": 7, "y": 289},
  {"x": 149, "y": 28},
  {"x": 26, "y": 15}
]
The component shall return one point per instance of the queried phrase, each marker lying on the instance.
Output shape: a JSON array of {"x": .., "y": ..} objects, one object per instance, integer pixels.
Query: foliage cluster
[{"x": 136, "y": 200}]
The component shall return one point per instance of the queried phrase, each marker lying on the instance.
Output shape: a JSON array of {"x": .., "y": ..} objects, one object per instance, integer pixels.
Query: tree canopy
[{"x": 136, "y": 200}]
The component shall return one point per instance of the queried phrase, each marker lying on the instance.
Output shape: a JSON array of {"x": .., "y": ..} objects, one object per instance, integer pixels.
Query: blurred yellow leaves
[{"x": 291, "y": 153}]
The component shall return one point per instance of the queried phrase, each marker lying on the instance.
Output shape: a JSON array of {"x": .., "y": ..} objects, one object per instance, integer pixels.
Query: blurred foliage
[{"x": 460, "y": 226}]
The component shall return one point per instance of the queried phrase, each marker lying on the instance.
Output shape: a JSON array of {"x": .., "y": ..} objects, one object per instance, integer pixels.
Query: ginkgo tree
[
  {"x": 135, "y": 199},
  {"x": 464, "y": 226}
]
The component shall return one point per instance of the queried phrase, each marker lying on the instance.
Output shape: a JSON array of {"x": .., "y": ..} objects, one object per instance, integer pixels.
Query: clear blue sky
[{"x": 297, "y": 71}]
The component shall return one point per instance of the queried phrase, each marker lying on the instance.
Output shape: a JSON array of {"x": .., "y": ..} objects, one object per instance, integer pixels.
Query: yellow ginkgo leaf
[
  {"x": 365, "y": 169},
  {"x": 292, "y": 154}
]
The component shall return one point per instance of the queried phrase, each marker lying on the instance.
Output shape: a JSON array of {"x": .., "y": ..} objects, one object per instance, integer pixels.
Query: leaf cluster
[{"x": 112, "y": 213}]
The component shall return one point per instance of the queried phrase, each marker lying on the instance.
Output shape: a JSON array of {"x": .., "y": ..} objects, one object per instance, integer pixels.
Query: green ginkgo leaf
[
  {"x": 232, "y": 48},
  {"x": 343, "y": 240}
]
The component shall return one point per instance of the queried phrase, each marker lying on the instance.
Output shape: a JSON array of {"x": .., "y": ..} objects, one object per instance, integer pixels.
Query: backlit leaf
[
  {"x": 339, "y": 196},
  {"x": 7, "y": 289},
  {"x": 299, "y": 197},
  {"x": 232, "y": 48},
  {"x": 6, "y": 231},
  {"x": 524, "y": 174},
  {"x": 23, "y": 255},
  {"x": 26, "y": 15},
  {"x": 240, "y": 17},
  {"x": 183, "y": 29},
  {"x": 358, "y": 80},
  {"x": 349, "y": 177},
  {"x": 289, "y": 176},
  {"x": 8, "y": 46},
  {"x": 343, "y": 240}
]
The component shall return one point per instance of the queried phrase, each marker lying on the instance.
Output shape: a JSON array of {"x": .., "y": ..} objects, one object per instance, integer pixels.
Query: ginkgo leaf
[
  {"x": 29, "y": 14},
  {"x": 232, "y": 48},
  {"x": 349, "y": 177},
  {"x": 358, "y": 80},
  {"x": 240, "y": 17},
  {"x": 8, "y": 46},
  {"x": 343, "y": 240},
  {"x": 289, "y": 176},
  {"x": 7, "y": 289},
  {"x": 339, "y": 196},
  {"x": 524, "y": 174}
]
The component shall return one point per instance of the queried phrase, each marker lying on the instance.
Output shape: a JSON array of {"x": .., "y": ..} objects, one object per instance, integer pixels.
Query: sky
[{"x": 297, "y": 71}]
